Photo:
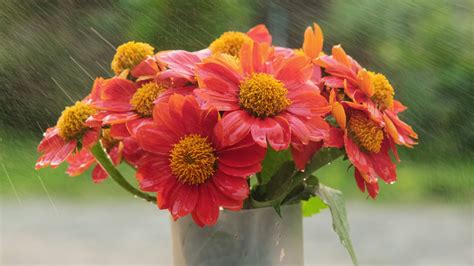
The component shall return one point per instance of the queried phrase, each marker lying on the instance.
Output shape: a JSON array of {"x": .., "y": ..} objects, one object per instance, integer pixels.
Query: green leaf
[
  {"x": 335, "y": 200},
  {"x": 272, "y": 162},
  {"x": 277, "y": 207},
  {"x": 313, "y": 206}
]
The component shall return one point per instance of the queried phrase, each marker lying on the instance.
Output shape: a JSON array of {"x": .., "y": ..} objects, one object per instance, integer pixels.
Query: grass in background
[{"x": 438, "y": 181}]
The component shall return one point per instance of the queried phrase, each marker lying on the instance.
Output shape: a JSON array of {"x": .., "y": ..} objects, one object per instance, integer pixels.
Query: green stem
[{"x": 103, "y": 159}]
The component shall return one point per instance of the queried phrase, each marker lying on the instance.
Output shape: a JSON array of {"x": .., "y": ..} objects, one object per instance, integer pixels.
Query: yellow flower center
[
  {"x": 365, "y": 132},
  {"x": 383, "y": 91},
  {"x": 142, "y": 100},
  {"x": 229, "y": 43},
  {"x": 71, "y": 122},
  {"x": 129, "y": 55},
  {"x": 262, "y": 95},
  {"x": 193, "y": 160}
]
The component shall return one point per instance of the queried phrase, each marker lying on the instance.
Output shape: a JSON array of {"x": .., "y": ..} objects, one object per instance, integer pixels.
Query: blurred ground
[{"x": 135, "y": 233}]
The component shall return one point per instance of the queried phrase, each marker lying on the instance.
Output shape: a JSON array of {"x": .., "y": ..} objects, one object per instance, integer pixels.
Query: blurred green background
[{"x": 50, "y": 51}]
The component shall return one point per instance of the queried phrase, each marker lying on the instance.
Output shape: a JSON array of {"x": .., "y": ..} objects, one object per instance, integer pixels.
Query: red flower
[
  {"x": 60, "y": 141},
  {"x": 273, "y": 100},
  {"x": 188, "y": 165},
  {"x": 125, "y": 104}
]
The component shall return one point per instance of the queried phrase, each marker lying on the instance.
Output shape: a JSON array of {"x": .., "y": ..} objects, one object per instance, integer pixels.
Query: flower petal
[
  {"x": 185, "y": 201},
  {"x": 233, "y": 127},
  {"x": 302, "y": 156},
  {"x": 206, "y": 208},
  {"x": 260, "y": 34},
  {"x": 233, "y": 187}
]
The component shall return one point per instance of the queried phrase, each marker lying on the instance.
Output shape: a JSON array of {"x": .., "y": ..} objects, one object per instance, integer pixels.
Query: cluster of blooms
[{"x": 196, "y": 125}]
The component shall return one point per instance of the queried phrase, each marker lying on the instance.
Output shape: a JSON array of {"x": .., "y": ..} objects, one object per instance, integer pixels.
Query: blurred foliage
[{"x": 50, "y": 51}]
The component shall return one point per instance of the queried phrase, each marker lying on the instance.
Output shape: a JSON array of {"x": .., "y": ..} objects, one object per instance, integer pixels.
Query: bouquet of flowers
[{"x": 240, "y": 124}]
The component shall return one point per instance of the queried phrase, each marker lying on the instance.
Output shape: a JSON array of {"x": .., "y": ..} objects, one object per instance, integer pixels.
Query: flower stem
[
  {"x": 278, "y": 195},
  {"x": 103, "y": 159}
]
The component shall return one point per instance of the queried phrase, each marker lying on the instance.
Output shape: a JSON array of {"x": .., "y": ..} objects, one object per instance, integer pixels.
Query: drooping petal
[
  {"x": 318, "y": 128},
  {"x": 373, "y": 189},
  {"x": 63, "y": 153},
  {"x": 90, "y": 137},
  {"x": 303, "y": 155},
  {"x": 274, "y": 130},
  {"x": 298, "y": 128},
  {"x": 206, "y": 208},
  {"x": 99, "y": 174},
  {"x": 233, "y": 187},
  {"x": 79, "y": 162},
  {"x": 185, "y": 202},
  {"x": 335, "y": 138},
  {"x": 223, "y": 200},
  {"x": 357, "y": 157}
]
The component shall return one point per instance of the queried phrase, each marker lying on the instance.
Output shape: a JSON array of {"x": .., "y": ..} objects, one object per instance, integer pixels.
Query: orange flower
[
  {"x": 370, "y": 89},
  {"x": 366, "y": 143},
  {"x": 271, "y": 99}
]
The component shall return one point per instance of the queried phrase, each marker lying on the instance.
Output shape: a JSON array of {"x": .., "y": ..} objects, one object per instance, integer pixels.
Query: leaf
[
  {"x": 313, "y": 206},
  {"x": 334, "y": 199},
  {"x": 303, "y": 191},
  {"x": 272, "y": 163}
]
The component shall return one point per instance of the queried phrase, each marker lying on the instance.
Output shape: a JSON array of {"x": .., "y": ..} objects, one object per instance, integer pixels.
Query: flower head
[
  {"x": 271, "y": 99},
  {"x": 59, "y": 142},
  {"x": 124, "y": 104},
  {"x": 188, "y": 165},
  {"x": 231, "y": 42},
  {"x": 129, "y": 55}
]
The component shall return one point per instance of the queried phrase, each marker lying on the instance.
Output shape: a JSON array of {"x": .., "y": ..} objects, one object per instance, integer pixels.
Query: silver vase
[{"x": 246, "y": 237}]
